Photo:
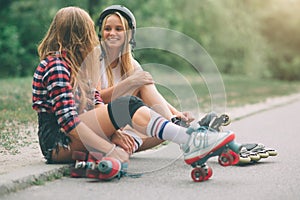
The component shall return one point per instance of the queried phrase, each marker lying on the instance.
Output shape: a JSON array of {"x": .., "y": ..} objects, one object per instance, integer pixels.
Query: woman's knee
[{"x": 122, "y": 110}]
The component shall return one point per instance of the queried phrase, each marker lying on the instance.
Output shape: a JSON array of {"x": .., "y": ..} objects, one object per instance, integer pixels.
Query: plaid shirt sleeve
[{"x": 52, "y": 83}]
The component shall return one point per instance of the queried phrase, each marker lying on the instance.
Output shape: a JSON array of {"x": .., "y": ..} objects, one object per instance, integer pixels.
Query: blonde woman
[{"x": 121, "y": 74}]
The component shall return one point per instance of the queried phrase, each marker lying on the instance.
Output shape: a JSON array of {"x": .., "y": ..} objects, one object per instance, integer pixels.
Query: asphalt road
[{"x": 167, "y": 177}]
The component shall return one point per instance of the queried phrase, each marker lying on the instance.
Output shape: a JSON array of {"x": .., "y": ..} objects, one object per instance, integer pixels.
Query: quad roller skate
[
  {"x": 94, "y": 165},
  {"x": 212, "y": 120},
  {"x": 205, "y": 143},
  {"x": 252, "y": 153},
  {"x": 79, "y": 168}
]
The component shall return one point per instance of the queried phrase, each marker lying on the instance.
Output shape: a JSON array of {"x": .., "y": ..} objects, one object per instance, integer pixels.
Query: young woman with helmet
[
  {"x": 72, "y": 115},
  {"x": 121, "y": 74}
]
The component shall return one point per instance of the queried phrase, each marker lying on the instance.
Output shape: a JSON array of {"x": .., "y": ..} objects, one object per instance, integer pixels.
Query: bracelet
[{"x": 112, "y": 149}]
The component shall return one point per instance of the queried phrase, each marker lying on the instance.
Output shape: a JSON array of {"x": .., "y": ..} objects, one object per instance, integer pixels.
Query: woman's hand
[
  {"x": 140, "y": 78},
  {"x": 123, "y": 140},
  {"x": 186, "y": 117}
]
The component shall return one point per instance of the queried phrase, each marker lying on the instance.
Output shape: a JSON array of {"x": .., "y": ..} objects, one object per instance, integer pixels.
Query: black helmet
[{"x": 126, "y": 13}]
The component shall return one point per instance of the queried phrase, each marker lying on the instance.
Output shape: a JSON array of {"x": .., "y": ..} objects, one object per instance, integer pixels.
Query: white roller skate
[{"x": 205, "y": 143}]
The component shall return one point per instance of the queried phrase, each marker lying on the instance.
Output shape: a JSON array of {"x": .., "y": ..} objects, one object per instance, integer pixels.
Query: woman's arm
[{"x": 128, "y": 86}]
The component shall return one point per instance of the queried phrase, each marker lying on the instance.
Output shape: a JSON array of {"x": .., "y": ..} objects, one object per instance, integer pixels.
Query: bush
[{"x": 10, "y": 51}]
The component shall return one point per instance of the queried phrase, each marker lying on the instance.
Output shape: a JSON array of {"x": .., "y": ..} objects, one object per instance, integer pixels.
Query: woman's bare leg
[
  {"x": 97, "y": 123},
  {"x": 152, "y": 98}
]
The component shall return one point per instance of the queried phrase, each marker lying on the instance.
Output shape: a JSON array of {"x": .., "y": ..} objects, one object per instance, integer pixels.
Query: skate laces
[{"x": 199, "y": 138}]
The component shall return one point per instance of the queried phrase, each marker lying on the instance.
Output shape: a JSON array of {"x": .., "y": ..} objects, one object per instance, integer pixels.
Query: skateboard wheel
[
  {"x": 225, "y": 159},
  {"x": 198, "y": 174}
]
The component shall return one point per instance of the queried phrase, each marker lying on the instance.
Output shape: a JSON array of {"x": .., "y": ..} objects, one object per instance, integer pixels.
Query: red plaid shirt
[{"x": 53, "y": 93}]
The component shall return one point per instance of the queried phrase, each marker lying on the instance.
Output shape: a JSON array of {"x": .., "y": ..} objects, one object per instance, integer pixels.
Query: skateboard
[
  {"x": 94, "y": 165},
  {"x": 228, "y": 154}
]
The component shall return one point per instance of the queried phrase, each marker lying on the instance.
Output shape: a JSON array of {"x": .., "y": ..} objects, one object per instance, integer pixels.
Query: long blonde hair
[
  {"x": 72, "y": 31},
  {"x": 125, "y": 54}
]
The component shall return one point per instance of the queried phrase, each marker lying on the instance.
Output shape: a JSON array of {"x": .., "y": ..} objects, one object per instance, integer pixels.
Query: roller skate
[
  {"x": 212, "y": 120},
  {"x": 94, "y": 165},
  {"x": 205, "y": 143},
  {"x": 79, "y": 168},
  {"x": 252, "y": 153}
]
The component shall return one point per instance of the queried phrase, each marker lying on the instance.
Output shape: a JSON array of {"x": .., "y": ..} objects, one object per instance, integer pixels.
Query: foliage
[
  {"x": 280, "y": 27},
  {"x": 256, "y": 38}
]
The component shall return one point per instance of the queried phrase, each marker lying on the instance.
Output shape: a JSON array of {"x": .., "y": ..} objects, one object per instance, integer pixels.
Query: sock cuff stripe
[
  {"x": 153, "y": 126},
  {"x": 162, "y": 129}
]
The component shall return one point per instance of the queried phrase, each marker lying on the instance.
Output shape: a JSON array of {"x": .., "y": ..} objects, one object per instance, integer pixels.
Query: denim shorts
[{"x": 50, "y": 135}]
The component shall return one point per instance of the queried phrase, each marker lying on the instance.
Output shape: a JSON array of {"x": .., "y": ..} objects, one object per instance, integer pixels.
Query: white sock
[{"x": 163, "y": 129}]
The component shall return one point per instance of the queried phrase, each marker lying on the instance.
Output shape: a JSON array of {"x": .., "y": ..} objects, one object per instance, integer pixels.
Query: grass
[
  {"x": 238, "y": 90},
  {"x": 17, "y": 115}
]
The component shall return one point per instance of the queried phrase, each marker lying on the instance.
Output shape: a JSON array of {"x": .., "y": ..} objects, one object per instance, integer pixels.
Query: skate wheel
[
  {"x": 235, "y": 156},
  {"x": 209, "y": 173},
  {"x": 272, "y": 152},
  {"x": 109, "y": 168},
  {"x": 226, "y": 119},
  {"x": 225, "y": 159},
  {"x": 198, "y": 174}
]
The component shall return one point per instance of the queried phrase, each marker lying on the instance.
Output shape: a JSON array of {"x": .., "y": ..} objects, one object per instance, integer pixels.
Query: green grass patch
[
  {"x": 15, "y": 100},
  {"x": 238, "y": 91},
  {"x": 16, "y": 114}
]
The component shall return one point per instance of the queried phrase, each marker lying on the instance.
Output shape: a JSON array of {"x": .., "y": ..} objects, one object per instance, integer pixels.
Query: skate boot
[
  {"x": 212, "y": 120},
  {"x": 205, "y": 143}
]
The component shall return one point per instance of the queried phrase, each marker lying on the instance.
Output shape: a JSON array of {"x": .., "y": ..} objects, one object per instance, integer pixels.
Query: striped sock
[{"x": 163, "y": 129}]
